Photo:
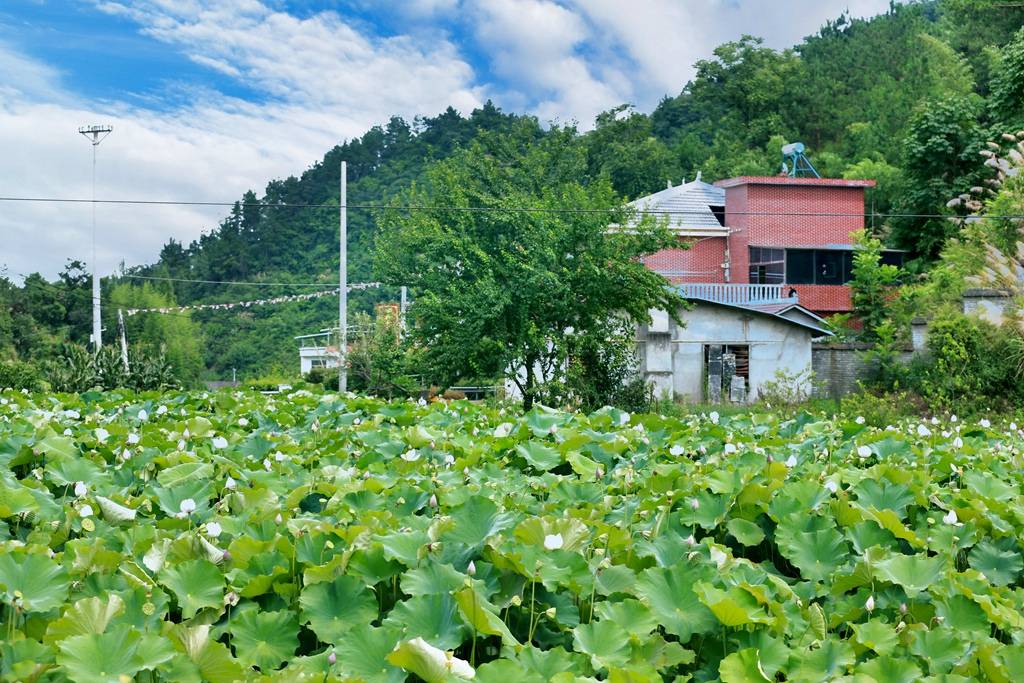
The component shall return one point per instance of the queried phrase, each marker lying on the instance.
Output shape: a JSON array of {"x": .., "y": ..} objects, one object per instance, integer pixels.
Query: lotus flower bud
[
  {"x": 433, "y": 500},
  {"x": 332, "y": 659},
  {"x": 869, "y": 605},
  {"x": 471, "y": 569}
]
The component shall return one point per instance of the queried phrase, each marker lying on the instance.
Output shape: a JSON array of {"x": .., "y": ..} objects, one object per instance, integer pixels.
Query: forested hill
[{"x": 907, "y": 98}]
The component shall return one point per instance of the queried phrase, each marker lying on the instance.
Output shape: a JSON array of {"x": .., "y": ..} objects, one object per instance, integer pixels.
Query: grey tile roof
[{"x": 688, "y": 203}]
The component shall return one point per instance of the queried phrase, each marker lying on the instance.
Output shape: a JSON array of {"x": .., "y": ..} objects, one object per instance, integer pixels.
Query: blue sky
[{"x": 210, "y": 98}]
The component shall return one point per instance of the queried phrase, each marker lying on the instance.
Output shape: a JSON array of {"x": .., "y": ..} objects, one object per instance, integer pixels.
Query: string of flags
[{"x": 256, "y": 302}]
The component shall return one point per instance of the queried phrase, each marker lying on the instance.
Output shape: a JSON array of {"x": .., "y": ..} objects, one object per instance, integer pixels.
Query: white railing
[{"x": 736, "y": 293}]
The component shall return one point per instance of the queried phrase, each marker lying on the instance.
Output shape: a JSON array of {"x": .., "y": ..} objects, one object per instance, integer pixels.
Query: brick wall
[
  {"x": 703, "y": 258},
  {"x": 766, "y": 212},
  {"x": 838, "y": 367}
]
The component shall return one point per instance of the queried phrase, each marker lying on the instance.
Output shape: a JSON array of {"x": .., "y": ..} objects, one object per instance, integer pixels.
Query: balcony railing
[{"x": 738, "y": 294}]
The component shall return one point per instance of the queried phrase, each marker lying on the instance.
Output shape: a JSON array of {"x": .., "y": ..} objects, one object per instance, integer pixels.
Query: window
[
  {"x": 767, "y": 266},
  {"x": 893, "y": 258},
  {"x": 819, "y": 266},
  {"x": 719, "y": 212},
  {"x": 317, "y": 363}
]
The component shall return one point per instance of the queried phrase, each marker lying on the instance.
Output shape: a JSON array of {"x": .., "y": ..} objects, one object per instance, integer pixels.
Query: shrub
[
  {"x": 787, "y": 388},
  {"x": 19, "y": 375},
  {"x": 969, "y": 357}
]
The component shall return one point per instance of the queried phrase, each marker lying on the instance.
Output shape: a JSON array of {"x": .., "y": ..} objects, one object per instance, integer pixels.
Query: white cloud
[{"x": 323, "y": 80}]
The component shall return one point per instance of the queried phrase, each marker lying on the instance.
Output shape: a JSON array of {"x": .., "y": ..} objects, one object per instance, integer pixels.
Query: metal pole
[
  {"x": 124, "y": 340},
  {"x": 343, "y": 280},
  {"x": 97, "y": 324},
  {"x": 95, "y": 135}
]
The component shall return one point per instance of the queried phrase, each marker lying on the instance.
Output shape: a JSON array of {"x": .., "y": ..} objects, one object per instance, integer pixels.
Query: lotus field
[{"x": 240, "y": 537}]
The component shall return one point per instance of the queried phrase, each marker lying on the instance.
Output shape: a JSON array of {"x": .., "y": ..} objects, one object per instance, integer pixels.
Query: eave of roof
[
  {"x": 778, "y": 312},
  {"x": 786, "y": 180}
]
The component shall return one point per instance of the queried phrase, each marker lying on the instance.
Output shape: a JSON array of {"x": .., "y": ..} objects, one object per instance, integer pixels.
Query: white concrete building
[
  {"x": 735, "y": 338},
  {"x": 317, "y": 351}
]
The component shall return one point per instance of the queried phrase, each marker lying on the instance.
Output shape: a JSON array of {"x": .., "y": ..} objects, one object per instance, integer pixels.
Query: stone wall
[{"x": 838, "y": 367}]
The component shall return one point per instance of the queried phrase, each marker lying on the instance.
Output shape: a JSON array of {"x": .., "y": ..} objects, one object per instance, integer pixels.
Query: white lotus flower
[
  {"x": 869, "y": 605},
  {"x": 357, "y": 422},
  {"x": 242, "y": 422},
  {"x": 280, "y": 457},
  {"x": 553, "y": 541},
  {"x": 503, "y": 430},
  {"x": 958, "y": 442},
  {"x": 161, "y": 410},
  {"x": 729, "y": 448},
  {"x": 923, "y": 431},
  {"x": 85, "y": 511},
  {"x": 266, "y": 464},
  {"x": 213, "y": 529},
  {"x": 864, "y": 451},
  {"x": 714, "y": 416},
  {"x": 623, "y": 419},
  {"x": 102, "y": 434},
  {"x": 187, "y": 506},
  {"x": 984, "y": 423},
  {"x": 935, "y": 420},
  {"x": 133, "y": 438},
  {"x": 230, "y": 484},
  {"x": 676, "y": 450},
  {"x": 791, "y": 461},
  {"x": 126, "y": 454},
  {"x": 181, "y": 444},
  {"x": 831, "y": 486},
  {"x": 68, "y": 432},
  {"x": 694, "y": 504},
  {"x": 950, "y": 518},
  {"x": 81, "y": 489},
  {"x": 1013, "y": 426},
  {"x": 411, "y": 455},
  {"x": 220, "y": 442},
  {"x": 953, "y": 418},
  {"x": 186, "y": 434}
]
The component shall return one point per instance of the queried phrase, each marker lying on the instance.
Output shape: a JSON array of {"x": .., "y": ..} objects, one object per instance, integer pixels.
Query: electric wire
[{"x": 488, "y": 209}]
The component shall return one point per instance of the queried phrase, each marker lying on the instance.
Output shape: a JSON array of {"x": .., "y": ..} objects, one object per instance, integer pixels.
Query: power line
[
  {"x": 325, "y": 285},
  {"x": 487, "y": 209}
]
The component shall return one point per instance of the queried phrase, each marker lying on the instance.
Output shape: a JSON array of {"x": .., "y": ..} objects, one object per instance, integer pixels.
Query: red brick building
[{"x": 792, "y": 233}]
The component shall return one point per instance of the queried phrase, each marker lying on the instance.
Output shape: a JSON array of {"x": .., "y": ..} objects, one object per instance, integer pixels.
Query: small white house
[
  {"x": 317, "y": 351},
  {"x": 735, "y": 338}
]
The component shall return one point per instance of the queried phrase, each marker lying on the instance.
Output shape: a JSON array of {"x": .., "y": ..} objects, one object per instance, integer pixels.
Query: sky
[{"x": 210, "y": 98}]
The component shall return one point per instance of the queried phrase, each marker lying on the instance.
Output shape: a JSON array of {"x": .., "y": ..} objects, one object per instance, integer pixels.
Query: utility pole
[
  {"x": 124, "y": 340},
  {"x": 343, "y": 281},
  {"x": 401, "y": 309},
  {"x": 95, "y": 135}
]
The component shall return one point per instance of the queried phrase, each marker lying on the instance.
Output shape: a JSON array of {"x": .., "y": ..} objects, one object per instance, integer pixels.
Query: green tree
[
  {"x": 498, "y": 290},
  {"x": 872, "y": 285},
  {"x": 940, "y": 161},
  {"x": 176, "y": 335}
]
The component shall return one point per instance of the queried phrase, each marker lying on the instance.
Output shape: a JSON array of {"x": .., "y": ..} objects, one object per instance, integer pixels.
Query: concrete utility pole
[
  {"x": 124, "y": 340},
  {"x": 95, "y": 135},
  {"x": 343, "y": 281}
]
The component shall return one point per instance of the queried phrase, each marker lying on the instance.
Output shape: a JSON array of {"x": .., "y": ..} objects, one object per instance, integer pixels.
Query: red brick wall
[
  {"x": 768, "y": 216},
  {"x": 704, "y": 259}
]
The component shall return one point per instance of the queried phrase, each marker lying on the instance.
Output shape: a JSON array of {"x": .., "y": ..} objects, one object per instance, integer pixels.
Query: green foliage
[
  {"x": 1007, "y": 100},
  {"x": 872, "y": 285},
  {"x": 381, "y": 363},
  {"x": 500, "y": 292},
  {"x": 453, "y": 541},
  {"x": 18, "y": 375},
  {"x": 76, "y": 369},
  {"x": 970, "y": 357}
]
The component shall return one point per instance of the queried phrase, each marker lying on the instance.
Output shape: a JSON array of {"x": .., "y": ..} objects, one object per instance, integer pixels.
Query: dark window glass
[
  {"x": 847, "y": 266},
  {"x": 893, "y": 258},
  {"x": 719, "y": 212},
  {"x": 828, "y": 267},
  {"x": 800, "y": 266},
  {"x": 767, "y": 266}
]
